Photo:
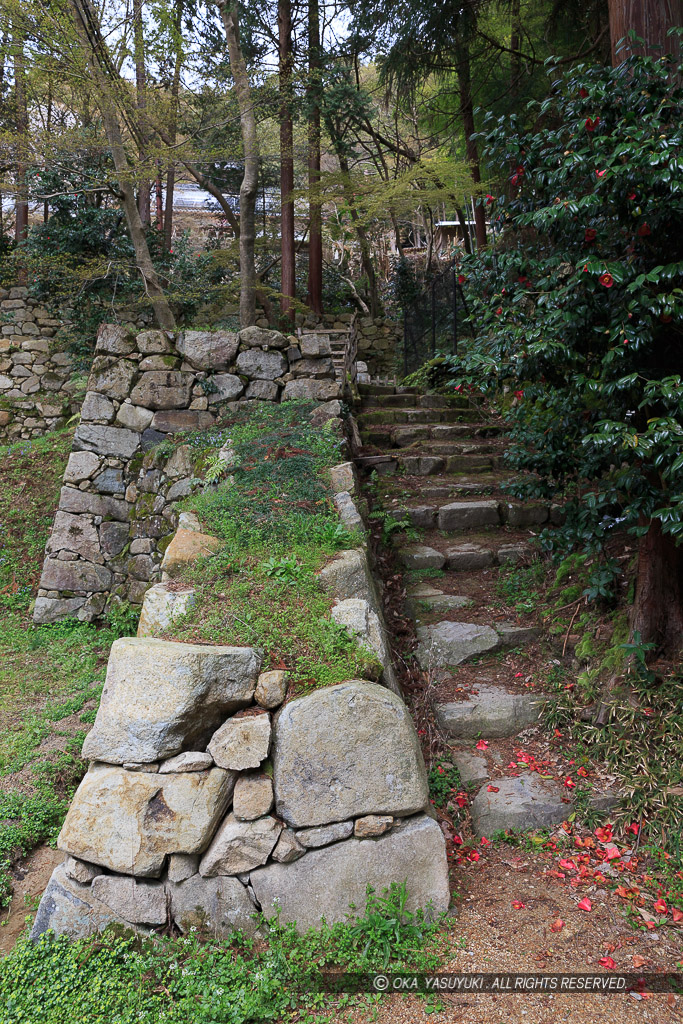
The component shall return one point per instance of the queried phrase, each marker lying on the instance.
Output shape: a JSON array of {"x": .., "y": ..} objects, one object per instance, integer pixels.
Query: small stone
[
  {"x": 468, "y": 556},
  {"x": 420, "y": 556},
  {"x": 520, "y": 803},
  {"x": 240, "y": 846},
  {"x": 348, "y": 512},
  {"x": 323, "y": 835},
  {"x": 113, "y": 538},
  {"x": 343, "y": 477},
  {"x": 512, "y": 554},
  {"x": 186, "y": 547},
  {"x": 110, "y": 481},
  {"x": 472, "y": 768},
  {"x": 189, "y": 521},
  {"x": 188, "y": 761},
  {"x": 182, "y": 866},
  {"x": 114, "y": 340},
  {"x": 515, "y": 636},
  {"x": 228, "y": 387},
  {"x": 80, "y": 871},
  {"x": 141, "y": 766},
  {"x": 372, "y": 825},
  {"x": 153, "y": 342},
  {"x": 97, "y": 407},
  {"x": 525, "y": 515},
  {"x": 253, "y": 797},
  {"x": 241, "y": 742},
  {"x": 271, "y": 688},
  {"x": 288, "y": 848},
  {"x": 134, "y": 417},
  {"x": 257, "y": 337},
  {"x": 263, "y": 390},
  {"x": 162, "y": 608},
  {"x": 465, "y": 515},
  {"x": 137, "y": 902}
]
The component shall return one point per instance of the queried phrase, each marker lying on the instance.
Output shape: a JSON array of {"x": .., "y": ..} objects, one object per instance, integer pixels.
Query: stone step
[
  {"x": 424, "y": 597},
  {"x": 400, "y": 436},
  {"x": 493, "y": 713},
  {"x": 367, "y": 390},
  {"x": 413, "y": 414},
  {"x": 524, "y": 802},
  {"x": 444, "y": 644},
  {"x": 428, "y": 465}
]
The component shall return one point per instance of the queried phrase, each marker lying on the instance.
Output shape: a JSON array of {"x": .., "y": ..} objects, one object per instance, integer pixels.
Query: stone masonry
[
  {"x": 116, "y": 507},
  {"x": 37, "y": 392}
]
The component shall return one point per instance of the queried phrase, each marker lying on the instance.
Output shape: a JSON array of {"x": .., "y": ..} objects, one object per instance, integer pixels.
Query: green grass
[
  {"x": 47, "y": 674},
  {"x": 521, "y": 588},
  {"x": 123, "y": 979},
  {"x": 279, "y": 525}
]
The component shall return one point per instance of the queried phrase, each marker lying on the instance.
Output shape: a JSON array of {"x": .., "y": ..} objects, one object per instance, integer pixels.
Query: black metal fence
[{"x": 430, "y": 323}]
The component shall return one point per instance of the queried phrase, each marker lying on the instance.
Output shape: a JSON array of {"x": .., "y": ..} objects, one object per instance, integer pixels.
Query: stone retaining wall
[
  {"x": 213, "y": 793},
  {"x": 116, "y": 507},
  {"x": 37, "y": 393}
]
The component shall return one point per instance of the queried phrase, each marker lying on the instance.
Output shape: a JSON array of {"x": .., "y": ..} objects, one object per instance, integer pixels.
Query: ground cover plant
[
  {"x": 271, "y": 504},
  {"x": 51, "y": 676}
]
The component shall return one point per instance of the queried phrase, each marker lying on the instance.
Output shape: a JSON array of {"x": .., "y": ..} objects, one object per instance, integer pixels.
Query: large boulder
[
  {"x": 103, "y": 440},
  {"x": 162, "y": 607},
  {"x": 163, "y": 389},
  {"x": 208, "y": 350},
  {"x": 260, "y": 337},
  {"x": 74, "y": 576},
  {"x": 162, "y": 697},
  {"x": 306, "y": 387},
  {"x": 214, "y": 907},
  {"x": 69, "y": 908},
  {"x": 328, "y": 882},
  {"x": 256, "y": 364},
  {"x": 451, "y": 643},
  {"x": 130, "y": 822},
  {"x": 346, "y": 751}
]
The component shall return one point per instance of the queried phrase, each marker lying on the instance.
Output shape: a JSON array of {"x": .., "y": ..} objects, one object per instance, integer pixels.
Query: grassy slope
[{"x": 50, "y": 677}]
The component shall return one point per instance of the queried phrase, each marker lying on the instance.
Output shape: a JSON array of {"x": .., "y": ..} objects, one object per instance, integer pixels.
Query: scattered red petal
[
  {"x": 607, "y": 961},
  {"x": 482, "y": 745},
  {"x": 677, "y": 915},
  {"x": 518, "y": 905},
  {"x": 660, "y": 906},
  {"x": 493, "y": 789},
  {"x": 557, "y": 925},
  {"x": 567, "y": 865},
  {"x": 585, "y": 904}
]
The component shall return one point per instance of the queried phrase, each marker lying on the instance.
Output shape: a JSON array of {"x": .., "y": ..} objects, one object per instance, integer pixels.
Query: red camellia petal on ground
[
  {"x": 612, "y": 853},
  {"x": 474, "y": 855},
  {"x": 567, "y": 865},
  {"x": 607, "y": 961},
  {"x": 482, "y": 745},
  {"x": 677, "y": 915},
  {"x": 493, "y": 789},
  {"x": 585, "y": 904},
  {"x": 660, "y": 906},
  {"x": 557, "y": 925},
  {"x": 518, "y": 905},
  {"x": 569, "y": 783}
]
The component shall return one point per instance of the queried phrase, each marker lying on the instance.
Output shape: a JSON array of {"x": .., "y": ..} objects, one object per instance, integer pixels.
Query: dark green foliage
[
  {"x": 123, "y": 979},
  {"x": 578, "y": 309}
]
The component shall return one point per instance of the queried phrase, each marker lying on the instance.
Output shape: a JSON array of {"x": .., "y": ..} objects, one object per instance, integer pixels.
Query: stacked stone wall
[
  {"x": 117, "y": 504},
  {"x": 37, "y": 389}
]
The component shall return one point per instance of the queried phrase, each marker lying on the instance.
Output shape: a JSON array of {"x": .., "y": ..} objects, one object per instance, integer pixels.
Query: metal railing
[{"x": 430, "y": 323}]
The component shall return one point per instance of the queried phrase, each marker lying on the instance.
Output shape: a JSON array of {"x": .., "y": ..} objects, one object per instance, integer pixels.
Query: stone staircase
[
  {"x": 433, "y": 465},
  {"x": 338, "y": 339}
]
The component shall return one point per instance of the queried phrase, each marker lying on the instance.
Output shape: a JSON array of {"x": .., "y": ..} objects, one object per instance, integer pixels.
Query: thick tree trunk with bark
[
  {"x": 249, "y": 186},
  {"x": 88, "y": 31},
  {"x": 288, "y": 264},
  {"x": 20, "y": 169},
  {"x": 173, "y": 128},
  {"x": 361, "y": 234},
  {"x": 657, "y": 613},
  {"x": 649, "y": 19},
  {"x": 315, "y": 238},
  {"x": 144, "y": 190},
  {"x": 467, "y": 114}
]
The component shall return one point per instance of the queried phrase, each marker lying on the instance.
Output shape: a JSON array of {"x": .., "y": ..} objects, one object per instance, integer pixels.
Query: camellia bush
[{"x": 577, "y": 309}]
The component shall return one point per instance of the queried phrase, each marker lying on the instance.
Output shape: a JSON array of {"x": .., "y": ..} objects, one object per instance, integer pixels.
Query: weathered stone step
[
  {"x": 412, "y": 414},
  {"x": 525, "y": 802},
  {"x": 401, "y": 436},
  {"x": 472, "y": 515},
  {"x": 446, "y": 643},
  {"x": 493, "y": 713},
  {"x": 428, "y": 465}
]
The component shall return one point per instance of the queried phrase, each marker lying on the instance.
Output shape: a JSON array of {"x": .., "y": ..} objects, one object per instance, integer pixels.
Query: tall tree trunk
[
  {"x": 144, "y": 191},
  {"x": 249, "y": 185},
  {"x": 288, "y": 260},
  {"x": 467, "y": 114},
  {"x": 361, "y": 234},
  {"x": 649, "y": 19},
  {"x": 657, "y": 613},
  {"x": 315, "y": 238},
  {"x": 21, "y": 205},
  {"x": 89, "y": 33},
  {"x": 173, "y": 128},
  {"x": 515, "y": 43},
  {"x": 158, "y": 194}
]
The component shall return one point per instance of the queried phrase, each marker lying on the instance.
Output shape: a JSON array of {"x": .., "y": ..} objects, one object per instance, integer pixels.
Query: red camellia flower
[
  {"x": 590, "y": 235},
  {"x": 583, "y": 93},
  {"x": 660, "y": 906},
  {"x": 599, "y": 174},
  {"x": 632, "y": 195},
  {"x": 519, "y": 394},
  {"x": 489, "y": 198},
  {"x": 499, "y": 311},
  {"x": 606, "y": 279},
  {"x": 592, "y": 124},
  {"x": 520, "y": 170},
  {"x": 644, "y": 230},
  {"x": 514, "y": 179},
  {"x": 569, "y": 783},
  {"x": 461, "y": 278}
]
